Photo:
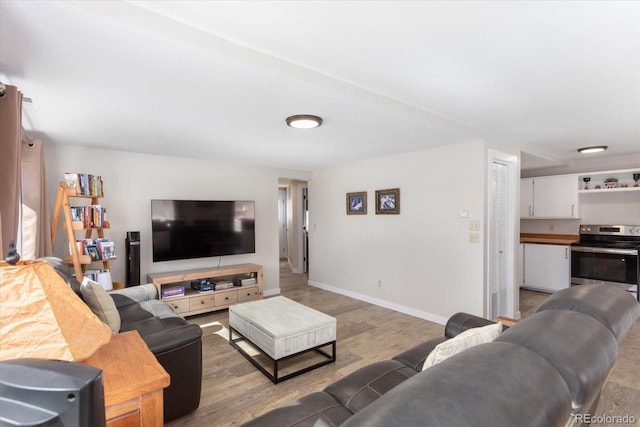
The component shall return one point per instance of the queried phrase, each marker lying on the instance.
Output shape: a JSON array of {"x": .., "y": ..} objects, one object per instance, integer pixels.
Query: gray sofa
[{"x": 548, "y": 370}]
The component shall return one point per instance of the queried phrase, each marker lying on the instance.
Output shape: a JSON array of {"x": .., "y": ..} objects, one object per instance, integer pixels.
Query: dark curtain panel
[{"x": 10, "y": 158}]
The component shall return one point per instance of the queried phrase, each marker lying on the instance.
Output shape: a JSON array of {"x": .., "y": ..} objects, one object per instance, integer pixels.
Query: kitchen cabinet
[
  {"x": 549, "y": 197},
  {"x": 547, "y": 267},
  {"x": 526, "y": 198}
]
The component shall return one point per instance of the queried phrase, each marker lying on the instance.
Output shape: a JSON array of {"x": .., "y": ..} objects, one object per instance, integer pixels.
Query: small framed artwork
[
  {"x": 92, "y": 251},
  {"x": 388, "y": 201},
  {"x": 357, "y": 203}
]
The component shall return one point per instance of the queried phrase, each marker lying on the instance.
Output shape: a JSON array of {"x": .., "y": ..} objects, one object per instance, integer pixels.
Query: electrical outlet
[
  {"x": 474, "y": 237},
  {"x": 379, "y": 283},
  {"x": 474, "y": 225}
]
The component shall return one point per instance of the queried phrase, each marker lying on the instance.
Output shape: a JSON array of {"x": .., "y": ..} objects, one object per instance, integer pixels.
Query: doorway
[
  {"x": 282, "y": 223},
  {"x": 293, "y": 217}
]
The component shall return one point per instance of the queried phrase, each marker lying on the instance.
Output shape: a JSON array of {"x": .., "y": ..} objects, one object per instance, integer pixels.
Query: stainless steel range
[{"x": 607, "y": 254}]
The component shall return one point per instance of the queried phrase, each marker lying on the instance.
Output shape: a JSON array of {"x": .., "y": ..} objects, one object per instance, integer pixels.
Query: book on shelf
[
  {"x": 174, "y": 291},
  {"x": 92, "y": 216},
  {"x": 107, "y": 250},
  {"x": 92, "y": 251},
  {"x": 84, "y": 183},
  {"x": 92, "y": 274},
  {"x": 99, "y": 249}
]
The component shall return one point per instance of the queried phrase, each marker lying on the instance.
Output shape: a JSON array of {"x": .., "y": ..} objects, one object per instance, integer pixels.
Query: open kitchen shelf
[{"x": 624, "y": 177}]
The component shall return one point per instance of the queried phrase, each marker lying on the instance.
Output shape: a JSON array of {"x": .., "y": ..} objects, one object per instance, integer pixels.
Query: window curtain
[
  {"x": 24, "y": 217},
  {"x": 36, "y": 224}
]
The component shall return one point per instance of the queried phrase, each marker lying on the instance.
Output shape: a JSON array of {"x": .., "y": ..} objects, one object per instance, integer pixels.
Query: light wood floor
[{"x": 233, "y": 391}]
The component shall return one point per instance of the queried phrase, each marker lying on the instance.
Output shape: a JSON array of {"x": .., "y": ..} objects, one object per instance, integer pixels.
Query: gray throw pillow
[{"x": 100, "y": 303}]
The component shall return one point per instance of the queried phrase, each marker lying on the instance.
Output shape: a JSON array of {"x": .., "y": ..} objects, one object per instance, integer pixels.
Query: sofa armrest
[
  {"x": 173, "y": 338},
  {"x": 134, "y": 295},
  {"x": 460, "y": 322}
]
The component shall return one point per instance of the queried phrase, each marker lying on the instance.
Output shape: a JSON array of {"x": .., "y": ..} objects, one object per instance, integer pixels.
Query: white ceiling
[{"x": 217, "y": 79}]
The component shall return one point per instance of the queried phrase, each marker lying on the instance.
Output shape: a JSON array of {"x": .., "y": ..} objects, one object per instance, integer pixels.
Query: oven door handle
[{"x": 604, "y": 250}]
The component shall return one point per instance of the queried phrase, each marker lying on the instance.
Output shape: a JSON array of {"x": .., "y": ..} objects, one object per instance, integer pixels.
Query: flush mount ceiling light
[
  {"x": 596, "y": 149},
  {"x": 304, "y": 121}
]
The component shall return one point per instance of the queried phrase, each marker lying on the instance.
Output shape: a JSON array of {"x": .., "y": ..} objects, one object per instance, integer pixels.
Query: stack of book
[
  {"x": 84, "y": 183},
  {"x": 98, "y": 249},
  {"x": 92, "y": 216}
]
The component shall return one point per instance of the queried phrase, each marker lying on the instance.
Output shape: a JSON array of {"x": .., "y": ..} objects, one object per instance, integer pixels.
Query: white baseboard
[
  {"x": 382, "y": 303},
  {"x": 271, "y": 292}
]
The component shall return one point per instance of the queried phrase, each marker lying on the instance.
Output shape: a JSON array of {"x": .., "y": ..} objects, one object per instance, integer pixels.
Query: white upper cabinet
[
  {"x": 549, "y": 197},
  {"x": 526, "y": 198}
]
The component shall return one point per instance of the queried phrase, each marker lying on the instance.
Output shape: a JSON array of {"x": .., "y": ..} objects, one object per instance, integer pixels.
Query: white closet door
[{"x": 498, "y": 232}]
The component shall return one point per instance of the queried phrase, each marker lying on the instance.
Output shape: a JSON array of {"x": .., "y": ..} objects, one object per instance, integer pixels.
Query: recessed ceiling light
[
  {"x": 588, "y": 150},
  {"x": 304, "y": 121}
]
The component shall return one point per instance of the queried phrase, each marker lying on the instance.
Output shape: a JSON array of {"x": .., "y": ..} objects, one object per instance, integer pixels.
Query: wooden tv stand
[{"x": 194, "y": 302}]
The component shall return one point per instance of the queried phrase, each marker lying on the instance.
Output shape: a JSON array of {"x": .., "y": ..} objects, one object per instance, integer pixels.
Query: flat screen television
[{"x": 185, "y": 229}]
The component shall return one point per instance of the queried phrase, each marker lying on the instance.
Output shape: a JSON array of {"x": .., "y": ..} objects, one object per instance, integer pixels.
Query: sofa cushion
[
  {"x": 490, "y": 385},
  {"x": 463, "y": 341},
  {"x": 361, "y": 387},
  {"x": 313, "y": 410},
  {"x": 100, "y": 303},
  {"x": 578, "y": 346},
  {"x": 611, "y": 305}
]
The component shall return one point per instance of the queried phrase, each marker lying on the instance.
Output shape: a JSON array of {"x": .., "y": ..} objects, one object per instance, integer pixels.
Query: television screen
[{"x": 183, "y": 229}]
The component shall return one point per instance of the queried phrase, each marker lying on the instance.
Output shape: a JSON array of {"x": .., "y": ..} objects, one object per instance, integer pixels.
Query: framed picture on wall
[
  {"x": 357, "y": 203},
  {"x": 388, "y": 201}
]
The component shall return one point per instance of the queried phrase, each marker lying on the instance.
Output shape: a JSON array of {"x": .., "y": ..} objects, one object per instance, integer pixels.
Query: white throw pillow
[
  {"x": 100, "y": 303},
  {"x": 461, "y": 342}
]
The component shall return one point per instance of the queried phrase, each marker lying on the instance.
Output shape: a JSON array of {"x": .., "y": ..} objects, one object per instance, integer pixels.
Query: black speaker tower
[{"x": 133, "y": 258}]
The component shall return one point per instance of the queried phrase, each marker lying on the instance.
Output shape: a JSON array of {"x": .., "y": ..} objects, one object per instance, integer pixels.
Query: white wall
[
  {"x": 132, "y": 180},
  {"x": 420, "y": 261}
]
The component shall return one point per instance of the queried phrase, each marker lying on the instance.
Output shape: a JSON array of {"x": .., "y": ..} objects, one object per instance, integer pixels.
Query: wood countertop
[{"x": 549, "y": 239}]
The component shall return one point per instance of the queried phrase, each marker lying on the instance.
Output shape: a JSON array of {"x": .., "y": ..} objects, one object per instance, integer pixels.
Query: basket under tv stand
[{"x": 194, "y": 302}]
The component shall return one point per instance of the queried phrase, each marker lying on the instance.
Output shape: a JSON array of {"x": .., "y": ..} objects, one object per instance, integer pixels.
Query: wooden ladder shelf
[{"x": 62, "y": 204}]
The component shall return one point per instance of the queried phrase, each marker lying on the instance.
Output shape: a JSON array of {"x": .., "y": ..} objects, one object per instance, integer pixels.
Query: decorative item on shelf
[
  {"x": 611, "y": 182},
  {"x": 636, "y": 178},
  {"x": 42, "y": 317},
  {"x": 586, "y": 180}
]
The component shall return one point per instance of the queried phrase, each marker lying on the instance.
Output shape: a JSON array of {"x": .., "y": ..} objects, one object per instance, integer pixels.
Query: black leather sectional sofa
[
  {"x": 176, "y": 344},
  {"x": 548, "y": 370}
]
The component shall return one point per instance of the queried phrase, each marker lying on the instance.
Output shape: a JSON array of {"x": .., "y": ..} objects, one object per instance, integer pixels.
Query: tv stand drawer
[
  {"x": 179, "y": 305},
  {"x": 226, "y": 298},
  {"x": 201, "y": 302},
  {"x": 248, "y": 294}
]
